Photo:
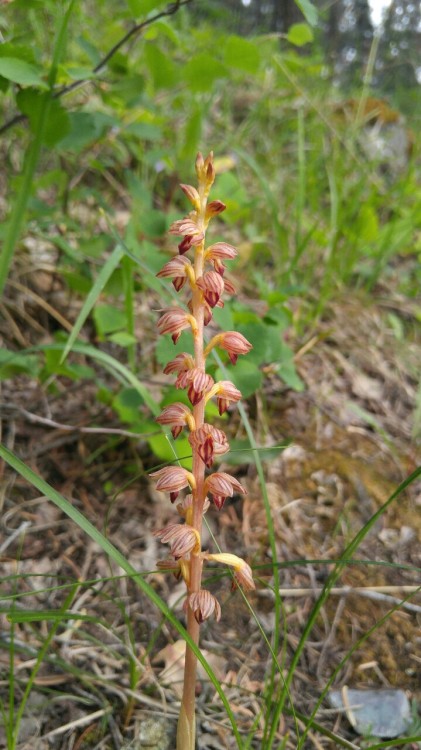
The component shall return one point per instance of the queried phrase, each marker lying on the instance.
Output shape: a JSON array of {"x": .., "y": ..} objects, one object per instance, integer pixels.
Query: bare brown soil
[{"x": 351, "y": 441}]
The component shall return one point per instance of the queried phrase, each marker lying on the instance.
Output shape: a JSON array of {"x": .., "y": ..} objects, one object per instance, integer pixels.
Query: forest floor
[{"x": 350, "y": 442}]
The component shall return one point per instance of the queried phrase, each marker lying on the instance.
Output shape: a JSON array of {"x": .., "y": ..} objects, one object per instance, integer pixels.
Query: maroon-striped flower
[
  {"x": 179, "y": 269},
  {"x": 174, "y": 320},
  {"x": 221, "y": 485},
  {"x": 188, "y": 241},
  {"x": 204, "y": 604},
  {"x": 172, "y": 479},
  {"x": 218, "y": 252},
  {"x": 212, "y": 286},
  {"x": 181, "y": 363},
  {"x": 188, "y": 225},
  {"x": 181, "y": 537},
  {"x": 233, "y": 342},
  {"x": 209, "y": 442},
  {"x": 199, "y": 383},
  {"x": 213, "y": 209},
  {"x": 226, "y": 393},
  {"x": 176, "y": 415}
]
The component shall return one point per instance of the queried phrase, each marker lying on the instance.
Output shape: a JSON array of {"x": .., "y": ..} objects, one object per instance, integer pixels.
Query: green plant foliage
[
  {"x": 300, "y": 34},
  {"x": 241, "y": 53},
  {"x": 19, "y": 71}
]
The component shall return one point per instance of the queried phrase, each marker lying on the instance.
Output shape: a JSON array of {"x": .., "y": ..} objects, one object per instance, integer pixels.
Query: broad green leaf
[
  {"x": 20, "y": 51},
  {"x": 289, "y": 375},
  {"x": 241, "y": 452},
  {"x": 241, "y": 53},
  {"x": 108, "y": 319},
  {"x": 122, "y": 338},
  {"x": 85, "y": 127},
  {"x": 308, "y": 10},
  {"x": 72, "y": 370},
  {"x": 164, "y": 450},
  {"x": 30, "y": 102},
  {"x": 300, "y": 34},
  {"x": 127, "y": 404},
  {"x": 12, "y": 363},
  {"x": 202, "y": 71},
  {"x": 165, "y": 350},
  {"x": 22, "y": 72},
  {"x": 161, "y": 66}
]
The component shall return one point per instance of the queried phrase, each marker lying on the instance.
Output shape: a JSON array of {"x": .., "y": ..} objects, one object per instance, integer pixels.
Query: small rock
[{"x": 379, "y": 713}]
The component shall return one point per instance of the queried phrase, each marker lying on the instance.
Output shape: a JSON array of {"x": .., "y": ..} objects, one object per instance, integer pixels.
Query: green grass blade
[
  {"x": 311, "y": 719},
  {"x": 333, "y": 577},
  {"x": 75, "y": 515},
  {"x": 106, "y": 271},
  {"x": 17, "y": 218},
  {"x": 37, "y": 665}
]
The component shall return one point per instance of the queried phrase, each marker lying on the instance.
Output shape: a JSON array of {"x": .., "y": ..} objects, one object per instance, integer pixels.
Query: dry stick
[
  {"x": 173, "y": 8},
  {"x": 380, "y": 593}
]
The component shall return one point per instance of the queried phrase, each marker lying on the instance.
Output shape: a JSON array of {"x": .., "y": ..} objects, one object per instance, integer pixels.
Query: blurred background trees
[{"x": 346, "y": 33}]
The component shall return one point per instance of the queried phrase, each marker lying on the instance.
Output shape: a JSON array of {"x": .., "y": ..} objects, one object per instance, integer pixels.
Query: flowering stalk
[{"x": 204, "y": 276}]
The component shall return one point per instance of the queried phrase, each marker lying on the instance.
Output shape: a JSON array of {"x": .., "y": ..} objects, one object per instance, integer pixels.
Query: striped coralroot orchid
[{"x": 203, "y": 273}]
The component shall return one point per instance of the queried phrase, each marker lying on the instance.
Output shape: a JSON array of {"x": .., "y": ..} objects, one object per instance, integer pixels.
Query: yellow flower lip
[
  {"x": 226, "y": 558},
  {"x": 243, "y": 575}
]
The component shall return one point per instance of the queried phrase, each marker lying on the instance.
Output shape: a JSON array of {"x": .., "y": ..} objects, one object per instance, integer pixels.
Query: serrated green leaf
[
  {"x": 300, "y": 34},
  {"x": 22, "y": 72},
  {"x": 241, "y": 53}
]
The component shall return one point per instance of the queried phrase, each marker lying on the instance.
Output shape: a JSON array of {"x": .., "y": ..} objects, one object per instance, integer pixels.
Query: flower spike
[{"x": 202, "y": 270}]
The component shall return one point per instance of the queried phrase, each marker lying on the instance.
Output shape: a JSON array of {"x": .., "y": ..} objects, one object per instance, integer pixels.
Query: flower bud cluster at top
[{"x": 204, "y": 275}]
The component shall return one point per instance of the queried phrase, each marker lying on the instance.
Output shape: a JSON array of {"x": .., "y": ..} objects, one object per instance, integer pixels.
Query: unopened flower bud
[
  {"x": 192, "y": 195},
  {"x": 204, "y": 604}
]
